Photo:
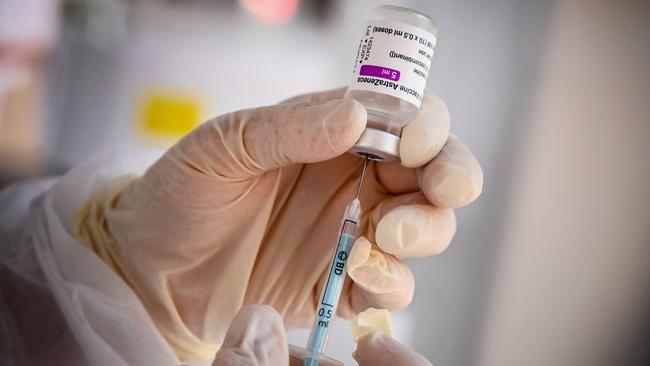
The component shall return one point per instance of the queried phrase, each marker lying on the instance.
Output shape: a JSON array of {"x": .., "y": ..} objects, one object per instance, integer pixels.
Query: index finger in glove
[
  {"x": 256, "y": 337},
  {"x": 379, "y": 349}
]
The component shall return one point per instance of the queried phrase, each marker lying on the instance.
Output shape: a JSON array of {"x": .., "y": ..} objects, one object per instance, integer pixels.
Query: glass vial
[{"x": 389, "y": 76}]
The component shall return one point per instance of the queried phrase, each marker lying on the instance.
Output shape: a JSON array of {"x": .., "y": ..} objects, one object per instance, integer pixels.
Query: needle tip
[{"x": 363, "y": 174}]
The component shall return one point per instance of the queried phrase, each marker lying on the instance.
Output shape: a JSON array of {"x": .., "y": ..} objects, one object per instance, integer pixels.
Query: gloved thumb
[
  {"x": 256, "y": 337},
  {"x": 250, "y": 142},
  {"x": 379, "y": 349}
]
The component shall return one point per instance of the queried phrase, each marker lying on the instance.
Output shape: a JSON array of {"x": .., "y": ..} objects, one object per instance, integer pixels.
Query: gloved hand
[
  {"x": 257, "y": 337},
  {"x": 246, "y": 209}
]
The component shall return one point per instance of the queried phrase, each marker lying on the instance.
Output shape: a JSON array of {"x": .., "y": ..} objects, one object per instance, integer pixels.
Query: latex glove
[
  {"x": 255, "y": 337},
  {"x": 379, "y": 349},
  {"x": 246, "y": 209}
]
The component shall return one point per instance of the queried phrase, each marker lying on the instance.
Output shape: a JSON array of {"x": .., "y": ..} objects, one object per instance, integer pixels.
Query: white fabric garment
[{"x": 107, "y": 321}]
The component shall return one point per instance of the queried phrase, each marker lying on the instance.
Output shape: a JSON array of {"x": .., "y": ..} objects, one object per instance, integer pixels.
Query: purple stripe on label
[{"x": 379, "y": 72}]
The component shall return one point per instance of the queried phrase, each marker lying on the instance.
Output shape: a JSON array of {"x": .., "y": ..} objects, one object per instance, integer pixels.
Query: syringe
[{"x": 329, "y": 299}]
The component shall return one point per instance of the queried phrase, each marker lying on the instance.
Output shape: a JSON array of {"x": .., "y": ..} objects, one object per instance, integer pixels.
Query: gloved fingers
[
  {"x": 248, "y": 143},
  {"x": 379, "y": 349},
  {"x": 375, "y": 215},
  {"x": 256, "y": 337},
  {"x": 318, "y": 97},
  {"x": 379, "y": 279},
  {"x": 454, "y": 178},
  {"x": 423, "y": 138},
  {"x": 415, "y": 230},
  {"x": 409, "y": 226}
]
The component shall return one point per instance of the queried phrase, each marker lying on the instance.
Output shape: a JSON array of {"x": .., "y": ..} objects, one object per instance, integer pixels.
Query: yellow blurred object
[
  {"x": 167, "y": 114},
  {"x": 21, "y": 127}
]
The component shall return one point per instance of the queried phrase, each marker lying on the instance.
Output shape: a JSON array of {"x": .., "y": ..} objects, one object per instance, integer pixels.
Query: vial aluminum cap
[{"x": 377, "y": 145}]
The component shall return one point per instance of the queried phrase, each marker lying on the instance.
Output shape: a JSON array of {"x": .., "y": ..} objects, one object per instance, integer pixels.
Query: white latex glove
[
  {"x": 246, "y": 210},
  {"x": 256, "y": 337}
]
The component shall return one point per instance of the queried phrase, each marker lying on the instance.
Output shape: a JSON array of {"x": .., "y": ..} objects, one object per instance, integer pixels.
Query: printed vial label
[{"x": 394, "y": 59}]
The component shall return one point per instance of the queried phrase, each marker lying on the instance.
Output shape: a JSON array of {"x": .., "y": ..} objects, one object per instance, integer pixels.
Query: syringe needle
[
  {"x": 329, "y": 299},
  {"x": 363, "y": 174}
]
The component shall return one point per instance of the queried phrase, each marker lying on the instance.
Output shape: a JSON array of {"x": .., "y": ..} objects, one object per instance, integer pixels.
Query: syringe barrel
[{"x": 329, "y": 299}]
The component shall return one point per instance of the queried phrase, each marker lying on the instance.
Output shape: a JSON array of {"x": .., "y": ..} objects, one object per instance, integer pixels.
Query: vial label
[{"x": 394, "y": 59}]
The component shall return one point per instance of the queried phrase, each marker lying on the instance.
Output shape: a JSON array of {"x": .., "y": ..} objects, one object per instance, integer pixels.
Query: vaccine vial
[{"x": 389, "y": 76}]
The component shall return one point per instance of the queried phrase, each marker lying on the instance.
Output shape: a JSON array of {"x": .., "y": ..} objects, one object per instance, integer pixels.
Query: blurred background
[{"x": 551, "y": 266}]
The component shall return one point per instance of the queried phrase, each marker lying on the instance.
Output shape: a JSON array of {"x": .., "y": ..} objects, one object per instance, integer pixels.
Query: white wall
[{"x": 572, "y": 286}]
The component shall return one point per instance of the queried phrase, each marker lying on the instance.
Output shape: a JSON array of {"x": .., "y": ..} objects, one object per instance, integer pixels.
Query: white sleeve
[{"x": 107, "y": 321}]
